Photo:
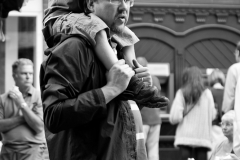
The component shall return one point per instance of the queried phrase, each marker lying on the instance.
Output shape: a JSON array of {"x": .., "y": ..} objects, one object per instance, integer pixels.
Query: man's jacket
[{"x": 79, "y": 124}]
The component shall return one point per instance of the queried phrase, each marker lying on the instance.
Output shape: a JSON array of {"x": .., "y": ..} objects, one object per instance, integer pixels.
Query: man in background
[
  {"x": 151, "y": 121},
  {"x": 21, "y": 117},
  {"x": 231, "y": 82},
  {"x": 231, "y": 97}
]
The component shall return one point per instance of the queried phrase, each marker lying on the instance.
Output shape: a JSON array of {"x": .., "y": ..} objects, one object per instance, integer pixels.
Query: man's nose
[
  {"x": 124, "y": 5},
  {"x": 28, "y": 75}
]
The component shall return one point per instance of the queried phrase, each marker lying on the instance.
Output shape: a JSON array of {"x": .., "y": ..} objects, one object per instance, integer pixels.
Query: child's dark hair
[
  {"x": 192, "y": 85},
  {"x": 84, "y": 4}
]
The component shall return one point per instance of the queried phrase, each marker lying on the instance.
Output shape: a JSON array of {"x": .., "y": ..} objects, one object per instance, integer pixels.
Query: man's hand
[
  {"x": 143, "y": 73},
  {"x": 119, "y": 75},
  {"x": 16, "y": 95},
  {"x": 233, "y": 156},
  {"x": 118, "y": 78}
]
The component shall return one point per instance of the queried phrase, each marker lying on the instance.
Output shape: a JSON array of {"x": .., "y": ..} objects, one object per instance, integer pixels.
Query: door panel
[
  {"x": 155, "y": 51},
  {"x": 210, "y": 53}
]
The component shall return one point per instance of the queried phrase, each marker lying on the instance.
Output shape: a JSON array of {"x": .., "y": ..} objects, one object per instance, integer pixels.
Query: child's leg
[
  {"x": 104, "y": 51},
  {"x": 136, "y": 89}
]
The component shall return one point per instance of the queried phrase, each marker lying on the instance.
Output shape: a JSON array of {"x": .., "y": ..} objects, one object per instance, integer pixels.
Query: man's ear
[
  {"x": 90, "y": 5},
  {"x": 14, "y": 75}
]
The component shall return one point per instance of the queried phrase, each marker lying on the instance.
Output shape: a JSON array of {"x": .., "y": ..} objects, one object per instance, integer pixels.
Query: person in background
[
  {"x": 193, "y": 110},
  {"x": 216, "y": 83},
  {"x": 224, "y": 149},
  {"x": 21, "y": 117},
  {"x": 231, "y": 81},
  {"x": 151, "y": 121},
  {"x": 230, "y": 102}
]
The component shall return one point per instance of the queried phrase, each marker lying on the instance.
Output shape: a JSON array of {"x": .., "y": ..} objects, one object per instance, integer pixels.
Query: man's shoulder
[
  {"x": 76, "y": 39},
  {"x": 235, "y": 66},
  {"x": 4, "y": 97},
  {"x": 67, "y": 47},
  {"x": 63, "y": 40},
  {"x": 35, "y": 91},
  {"x": 234, "y": 70}
]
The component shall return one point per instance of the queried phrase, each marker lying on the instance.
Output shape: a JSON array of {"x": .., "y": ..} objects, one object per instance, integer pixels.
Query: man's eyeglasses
[
  {"x": 118, "y": 2},
  {"x": 226, "y": 124}
]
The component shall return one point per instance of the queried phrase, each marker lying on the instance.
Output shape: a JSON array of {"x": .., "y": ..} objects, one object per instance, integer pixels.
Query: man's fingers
[
  {"x": 125, "y": 66},
  {"x": 12, "y": 95},
  {"x": 120, "y": 62},
  {"x": 136, "y": 64},
  {"x": 130, "y": 71},
  {"x": 142, "y": 69},
  {"x": 143, "y": 75}
]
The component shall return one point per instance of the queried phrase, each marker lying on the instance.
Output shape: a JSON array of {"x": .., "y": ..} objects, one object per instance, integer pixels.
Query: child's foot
[
  {"x": 156, "y": 101},
  {"x": 139, "y": 92}
]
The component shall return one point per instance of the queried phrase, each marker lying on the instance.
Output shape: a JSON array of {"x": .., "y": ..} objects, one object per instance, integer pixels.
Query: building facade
[{"x": 184, "y": 33}]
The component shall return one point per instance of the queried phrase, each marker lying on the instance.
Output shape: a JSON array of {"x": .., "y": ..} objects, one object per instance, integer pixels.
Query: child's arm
[
  {"x": 104, "y": 51},
  {"x": 129, "y": 54},
  {"x": 106, "y": 54}
]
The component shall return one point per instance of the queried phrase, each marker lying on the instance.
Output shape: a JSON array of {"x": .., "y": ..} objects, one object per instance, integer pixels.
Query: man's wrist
[
  {"x": 110, "y": 92},
  {"x": 23, "y": 105}
]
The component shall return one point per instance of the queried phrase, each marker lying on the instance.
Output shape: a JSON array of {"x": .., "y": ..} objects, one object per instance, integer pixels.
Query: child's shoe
[{"x": 139, "y": 92}]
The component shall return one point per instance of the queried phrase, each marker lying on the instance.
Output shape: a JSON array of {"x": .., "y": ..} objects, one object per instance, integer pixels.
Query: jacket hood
[{"x": 59, "y": 7}]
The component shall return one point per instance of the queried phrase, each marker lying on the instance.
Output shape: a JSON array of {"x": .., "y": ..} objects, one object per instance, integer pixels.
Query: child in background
[{"x": 97, "y": 32}]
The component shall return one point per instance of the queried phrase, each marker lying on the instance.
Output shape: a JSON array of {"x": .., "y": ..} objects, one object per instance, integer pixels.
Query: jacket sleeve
[
  {"x": 176, "y": 112},
  {"x": 229, "y": 90},
  {"x": 64, "y": 79}
]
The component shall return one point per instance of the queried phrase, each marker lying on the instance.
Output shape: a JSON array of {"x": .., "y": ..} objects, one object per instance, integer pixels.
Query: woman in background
[
  {"x": 193, "y": 110},
  {"x": 224, "y": 149}
]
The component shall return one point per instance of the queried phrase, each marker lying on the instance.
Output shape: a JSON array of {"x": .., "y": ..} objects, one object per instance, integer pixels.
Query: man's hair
[
  {"x": 143, "y": 61},
  {"x": 21, "y": 62},
  {"x": 217, "y": 76},
  {"x": 230, "y": 115}
]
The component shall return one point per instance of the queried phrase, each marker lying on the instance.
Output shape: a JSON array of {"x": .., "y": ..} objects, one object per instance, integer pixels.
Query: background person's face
[
  {"x": 237, "y": 56},
  {"x": 115, "y": 16},
  {"x": 24, "y": 76},
  {"x": 227, "y": 127}
]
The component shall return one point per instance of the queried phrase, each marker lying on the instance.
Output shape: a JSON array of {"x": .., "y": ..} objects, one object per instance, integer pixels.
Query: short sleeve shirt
[
  {"x": 23, "y": 133},
  {"x": 88, "y": 26}
]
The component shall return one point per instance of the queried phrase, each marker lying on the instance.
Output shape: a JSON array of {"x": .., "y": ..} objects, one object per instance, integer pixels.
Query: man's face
[
  {"x": 227, "y": 127},
  {"x": 237, "y": 56},
  {"x": 23, "y": 76},
  {"x": 115, "y": 16}
]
